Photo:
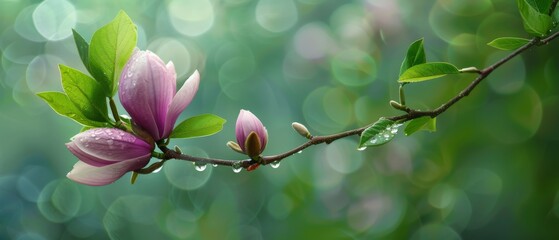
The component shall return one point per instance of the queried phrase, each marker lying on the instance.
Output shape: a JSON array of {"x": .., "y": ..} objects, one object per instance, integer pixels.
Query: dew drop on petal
[{"x": 275, "y": 164}]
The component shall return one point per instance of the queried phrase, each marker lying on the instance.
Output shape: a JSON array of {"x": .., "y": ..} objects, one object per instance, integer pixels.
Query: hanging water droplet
[
  {"x": 157, "y": 170},
  {"x": 237, "y": 167},
  {"x": 200, "y": 167},
  {"x": 275, "y": 164},
  {"x": 300, "y": 151},
  {"x": 361, "y": 148},
  {"x": 214, "y": 165}
]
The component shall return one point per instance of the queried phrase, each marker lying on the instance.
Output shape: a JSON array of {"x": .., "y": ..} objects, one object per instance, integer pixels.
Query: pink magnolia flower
[
  {"x": 148, "y": 93},
  {"x": 106, "y": 154},
  {"x": 247, "y": 123}
]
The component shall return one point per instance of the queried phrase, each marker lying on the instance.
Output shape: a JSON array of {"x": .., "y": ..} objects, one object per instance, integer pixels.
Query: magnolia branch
[{"x": 410, "y": 114}]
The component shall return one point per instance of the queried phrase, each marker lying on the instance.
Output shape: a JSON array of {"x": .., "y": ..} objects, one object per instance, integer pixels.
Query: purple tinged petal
[
  {"x": 247, "y": 123},
  {"x": 98, "y": 176},
  {"x": 181, "y": 100},
  {"x": 102, "y": 146},
  {"x": 146, "y": 90}
]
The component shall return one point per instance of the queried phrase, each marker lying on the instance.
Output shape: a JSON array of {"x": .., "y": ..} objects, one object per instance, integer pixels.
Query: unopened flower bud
[
  {"x": 235, "y": 147},
  {"x": 250, "y": 131},
  {"x": 178, "y": 149},
  {"x": 397, "y": 105},
  {"x": 301, "y": 129}
]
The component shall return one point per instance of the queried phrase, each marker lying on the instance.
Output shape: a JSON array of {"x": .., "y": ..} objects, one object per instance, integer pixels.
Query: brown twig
[{"x": 409, "y": 115}]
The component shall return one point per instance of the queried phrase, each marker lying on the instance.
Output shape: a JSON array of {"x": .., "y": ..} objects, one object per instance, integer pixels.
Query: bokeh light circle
[
  {"x": 466, "y": 8},
  {"x": 42, "y": 73},
  {"x": 170, "y": 49},
  {"x": 328, "y": 109},
  {"x": 191, "y": 17},
  {"x": 343, "y": 156},
  {"x": 24, "y": 25},
  {"x": 508, "y": 78},
  {"x": 276, "y": 16},
  {"x": 185, "y": 176},
  {"x": 280, "y": 206},
  {"x": 354, "y": 68},
  {"x": 60, "y": 201},
  {"x": 55, "y": 19},
  {"x": 505, "y": 123},
  {"x": 435, "y": 231},
  {"x": 313, "y": 41}
]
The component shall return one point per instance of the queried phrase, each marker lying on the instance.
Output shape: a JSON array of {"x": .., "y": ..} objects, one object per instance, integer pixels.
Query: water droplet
[
  {"x": 121, "y": 134},
  {"x": 200, "y": 167},
  {"x": 361, "y": 148},
  {"x": 386, "y": 135},
  {"x": 97, "y": 138},
  {"x": 214, "y": 165},
  {"x": 110, "y": 142},
  {"x": 300, "y": 151},
  {"x": 237, "y": 167},
  {"x": 93, "y": 135},
  {"x": 374, "y": 141},
  {"x": 394, "y": 131},
  {"x": 157, "y": 170},
  {"x": 275, "y": 164},
  {"x": 82, "y": 139}
]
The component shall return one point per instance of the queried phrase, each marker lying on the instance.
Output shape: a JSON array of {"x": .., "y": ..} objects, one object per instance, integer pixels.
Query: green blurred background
[{"x": 490, "y": 171}]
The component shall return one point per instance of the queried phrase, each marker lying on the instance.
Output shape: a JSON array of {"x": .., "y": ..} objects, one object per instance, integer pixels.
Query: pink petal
[
  {"x": 98, "y": 176},
  {"x": 181, "y": 100},
  {"x": 247, "y": 123},
  {"x": 102, "y": 146},
  {"x": 146, "y": 91}
]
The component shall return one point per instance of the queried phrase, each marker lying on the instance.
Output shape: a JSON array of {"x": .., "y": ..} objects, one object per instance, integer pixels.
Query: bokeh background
[{"x": 489, "y": 172}]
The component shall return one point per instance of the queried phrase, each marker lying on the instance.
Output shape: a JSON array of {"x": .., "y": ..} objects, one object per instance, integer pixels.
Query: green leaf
[
  {"x": 110, "y": 48},
  {"x": 85, "y": 93},
  {"x": 427, "y": 71},
  {"x": 541, "y": 6},
  {"x": 508, "y": 43},
  {"x": 62, "y": 105},
  {"x": 423, "y": 123},
  {"x": 415, "y": 56},
  {"x": 198, "y": 126},
  {"x": 535, "y": 22},
  {"x": 381, "y": 132},
  {"x": 83, "y": 48}
]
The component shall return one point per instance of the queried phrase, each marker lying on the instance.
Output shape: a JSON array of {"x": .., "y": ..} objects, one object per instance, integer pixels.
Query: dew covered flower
[
  {"x": 147, "y": 90},
  {"x": 106, "y": 154},
  {"x": 248, "y": 123}
]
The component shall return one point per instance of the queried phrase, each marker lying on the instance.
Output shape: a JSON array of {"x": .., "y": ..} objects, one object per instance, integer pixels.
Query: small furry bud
[{"x": 302, "y": 130}]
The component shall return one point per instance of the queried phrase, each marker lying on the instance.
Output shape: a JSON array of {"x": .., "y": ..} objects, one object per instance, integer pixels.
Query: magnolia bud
[
  {"x": 235, "y": 147},
  {"x": 302, "y": 130},
  {"x": 397, "y": 105},
  {"x": 178, "y": 149}
]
